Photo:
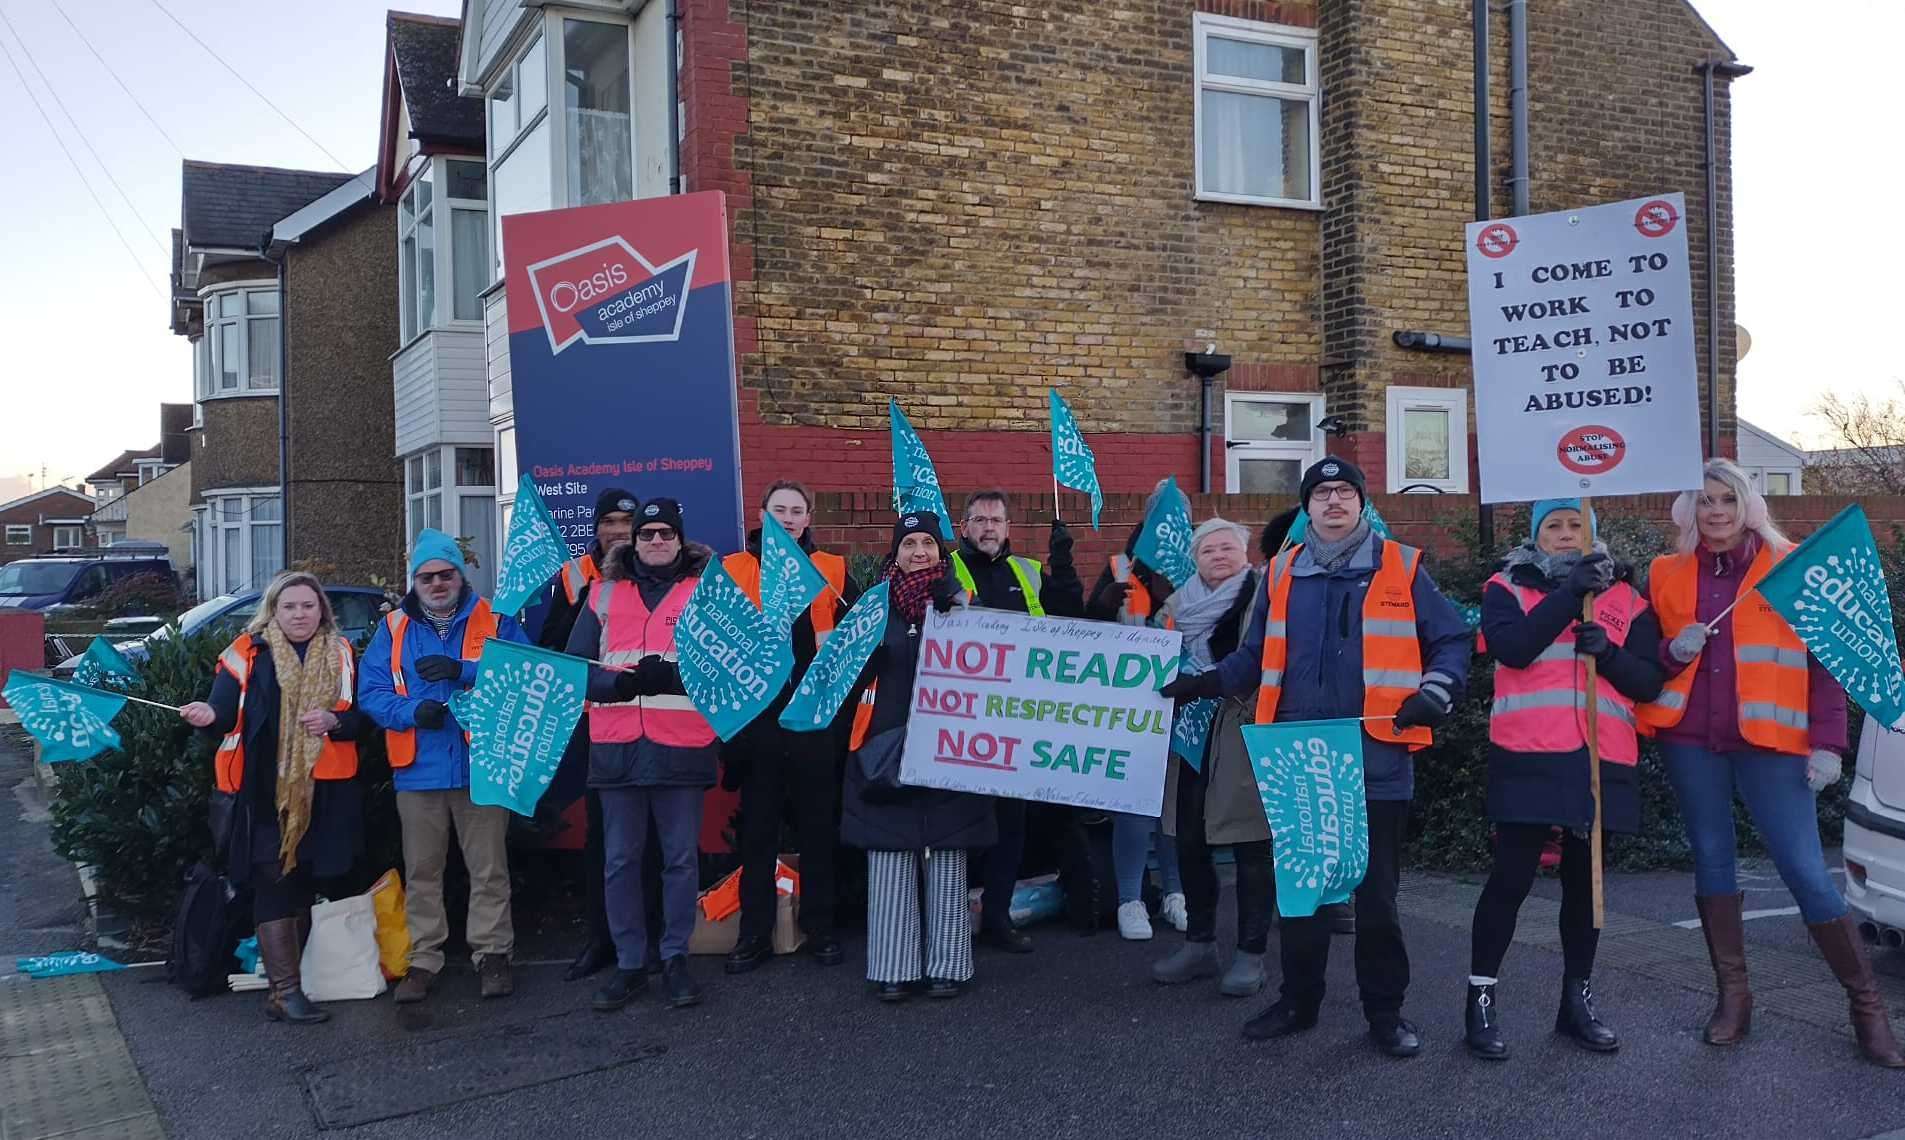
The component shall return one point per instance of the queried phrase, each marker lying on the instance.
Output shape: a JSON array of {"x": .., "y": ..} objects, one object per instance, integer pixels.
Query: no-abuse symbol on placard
[
  {"x": 1656, "y": 219},
  {"x": 1591, "y": 450},
  {"x": 1497, "y": 240}
]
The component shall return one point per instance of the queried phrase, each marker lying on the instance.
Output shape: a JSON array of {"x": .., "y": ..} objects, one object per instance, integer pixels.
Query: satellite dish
[{"x": 1745, "y": 339}]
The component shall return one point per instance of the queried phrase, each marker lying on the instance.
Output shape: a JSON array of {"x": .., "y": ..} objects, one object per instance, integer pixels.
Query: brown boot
[
  {"x": 283, "y": 951},
  {"x": 1839, "y": 943},
  {"x": 1722, "y": 923}
]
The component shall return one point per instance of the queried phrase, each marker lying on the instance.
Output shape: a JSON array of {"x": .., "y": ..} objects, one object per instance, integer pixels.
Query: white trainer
[
  {"x": 1174, "y": 912},
  {"x": 1134, "y": 924}
]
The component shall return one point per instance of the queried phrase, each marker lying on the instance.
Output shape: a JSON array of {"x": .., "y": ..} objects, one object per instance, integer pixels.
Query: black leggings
[
  {"x": 275, "y": 896},
  {"x": 1517, "y": 859}
]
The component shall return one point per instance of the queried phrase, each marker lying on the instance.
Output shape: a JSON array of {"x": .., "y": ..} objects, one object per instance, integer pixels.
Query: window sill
[
  {"x": 241, "y": 394},
  {"x": 1273, "y": 203}
]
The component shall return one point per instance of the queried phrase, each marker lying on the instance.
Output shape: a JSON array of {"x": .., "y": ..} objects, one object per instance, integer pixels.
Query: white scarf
[{"x": 1196, "y": 608}]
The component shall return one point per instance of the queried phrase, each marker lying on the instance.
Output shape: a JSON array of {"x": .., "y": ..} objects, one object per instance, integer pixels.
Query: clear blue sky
[{"x": 89, "y": 356}]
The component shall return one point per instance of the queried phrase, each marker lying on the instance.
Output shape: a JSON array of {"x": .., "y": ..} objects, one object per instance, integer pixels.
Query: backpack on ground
[{"x": 206, "y": 929}]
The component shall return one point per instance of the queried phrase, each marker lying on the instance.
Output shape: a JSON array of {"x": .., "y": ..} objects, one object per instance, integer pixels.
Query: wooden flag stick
[
  {"x": 1593, "y": 701},
  {"x": 1055, "y": 514},
  {"x": 141, "y": 701}
]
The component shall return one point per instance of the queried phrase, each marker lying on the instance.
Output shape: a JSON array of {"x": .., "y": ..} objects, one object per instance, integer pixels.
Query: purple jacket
[{"x": 1713, "y": 708}]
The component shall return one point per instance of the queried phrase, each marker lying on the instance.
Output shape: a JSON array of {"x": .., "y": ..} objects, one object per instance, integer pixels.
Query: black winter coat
[
  {"x": 1060, "y": 591},
  {"x": 909, "y": 819}
]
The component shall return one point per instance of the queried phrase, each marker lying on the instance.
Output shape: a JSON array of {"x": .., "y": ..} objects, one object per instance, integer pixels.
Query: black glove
[
  {"x": 652, "y": 675},
  {"x": 432, "y": 714},
  {"x": 1625, "y": 572},
  {"x": 1110, "y": 597},
  {"x": 628, "y": 684},
  {"x": 1427, "y": 707},
  {"x": 1591, "y": 575},
  {"x": 1184, "y": 689},
  {"x": 1154, "y": 583},
  {"x": 1061, "y": 545},
  {"x": 437, "y": 667},
  {"x": 1591, "y": 640},
  {"x": 944, "y": 592}
]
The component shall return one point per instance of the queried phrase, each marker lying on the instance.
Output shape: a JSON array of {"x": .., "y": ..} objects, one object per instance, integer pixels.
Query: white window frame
[
  {"x": 19, "y": 534},
  {"x": 1304, "y": 453},
  {"x": 1203, "y": 25},
  {"x": 1454, "y": 401},
  {"x": 209, "y": 376},
  {"x": 69, "y": 536},
  {"x": 149, "y": 469},
  {"x": 217, "y": 531},
  {"x": 417, "y": 491}
]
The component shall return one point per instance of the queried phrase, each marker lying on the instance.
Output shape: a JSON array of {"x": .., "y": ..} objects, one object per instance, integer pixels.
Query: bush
[{"x": 137, "y": 596}]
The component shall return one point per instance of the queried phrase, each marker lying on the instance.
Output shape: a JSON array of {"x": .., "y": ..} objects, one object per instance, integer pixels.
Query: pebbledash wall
[{"x": 961, "y": 205}]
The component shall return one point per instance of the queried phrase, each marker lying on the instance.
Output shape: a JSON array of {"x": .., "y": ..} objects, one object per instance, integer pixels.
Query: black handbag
[{"x": 879, "y": 761}]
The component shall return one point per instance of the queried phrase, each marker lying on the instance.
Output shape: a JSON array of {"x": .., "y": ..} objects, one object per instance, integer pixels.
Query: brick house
[
  {"x": 43, "y": 522},
  {"x": 114, "y": 484},
  {"x": 960, "y": 206}
]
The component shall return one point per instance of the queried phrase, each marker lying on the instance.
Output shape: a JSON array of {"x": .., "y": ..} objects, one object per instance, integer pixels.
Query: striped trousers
[{"x": 895, "y": 946}]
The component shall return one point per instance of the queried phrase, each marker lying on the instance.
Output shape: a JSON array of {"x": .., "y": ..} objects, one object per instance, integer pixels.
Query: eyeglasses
[
  {"x": 987, "y": 520},
  {"x": 1336, "y": 491},
  {"x": 427, "y": 577},
  {"x": 659, "y": 534}
]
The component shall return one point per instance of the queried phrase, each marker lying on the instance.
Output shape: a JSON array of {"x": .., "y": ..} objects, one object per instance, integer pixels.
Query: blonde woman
[{"x": 288, "y": 807}]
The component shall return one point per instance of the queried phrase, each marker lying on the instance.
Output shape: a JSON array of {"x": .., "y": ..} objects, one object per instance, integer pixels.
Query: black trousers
[
  {"x": 1256, "y": 880},
  {"x": 594, "y": 863},
  {"x": 999, "y": 867},
  {"x": 275, "y": 896},
  {"x": 1517, "y": 859},
  {"x": 800, "y": 766},
  {"x": 1382, "y": 961}
]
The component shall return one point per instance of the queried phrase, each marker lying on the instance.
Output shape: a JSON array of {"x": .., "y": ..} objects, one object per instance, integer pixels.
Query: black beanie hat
[
  {"x": 616, "y": 501},
  {"x": 1334, "y": 470},
  {"x": 661, "y": 511},
  {"x": 913, "y": 522}
]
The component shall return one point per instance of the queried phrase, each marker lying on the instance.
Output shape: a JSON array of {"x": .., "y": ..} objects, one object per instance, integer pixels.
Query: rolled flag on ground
[
  {"x": 829, "y": 679},
  {"x": 71, "y": 722},
  {"x": 1073, "y": 464},
  {"x": 732, "y": 661},
  {"x": 915, "y": 480},
  {"x": 533, "y": 554},
  {"x": 1310, "y": 775},
  {"x": 520, "y": 714},
  {"x": 1831, "y": 590},
  {"x": 789, "y": 580},
  {"x": 103, "y": 664},
  {"x": 1165, "y": 544},
  {"x": 1301, "y": 526}
]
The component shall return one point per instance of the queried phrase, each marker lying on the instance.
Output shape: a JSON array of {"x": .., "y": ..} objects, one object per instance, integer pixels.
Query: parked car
[
  {"x": 1875, "y": 837},
  {"x": 66, "y": 580},
  {"x": 358, "y": 609}
]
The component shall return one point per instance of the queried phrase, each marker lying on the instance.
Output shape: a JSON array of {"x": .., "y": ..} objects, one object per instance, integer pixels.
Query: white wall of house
[{"x": 1774, "y": 466}]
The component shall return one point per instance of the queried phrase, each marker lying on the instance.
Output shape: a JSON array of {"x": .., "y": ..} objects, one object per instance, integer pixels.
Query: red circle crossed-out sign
[
  {"x": 1497, "y": 240},
  {"x": 1656, "y": 219},
  {"x": 1591, "y": 450}
]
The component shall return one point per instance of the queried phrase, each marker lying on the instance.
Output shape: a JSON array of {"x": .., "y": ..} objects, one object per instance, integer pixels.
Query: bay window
[
  {"x": 238, "y": 354},
  {"x": 519, "y": 142},
  {"x": 598, "y": 139},
  {"x": 240, "y": 541},
  {"x": 462, "y": 506},
  {"x": 456, "y": 192}
]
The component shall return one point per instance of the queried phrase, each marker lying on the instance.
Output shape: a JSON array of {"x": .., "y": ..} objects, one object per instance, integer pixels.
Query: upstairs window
[
  {"x": 238, "y": 354},
  {"x": 519, "y": 142},
  {"x": 455, "y": 191},
  {"x": 597, "y": 136},
  {"x": 1258, "y": 112}
]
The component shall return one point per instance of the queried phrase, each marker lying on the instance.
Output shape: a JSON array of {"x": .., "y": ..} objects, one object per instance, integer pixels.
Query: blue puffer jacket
[{"x": 443, "y": 756}]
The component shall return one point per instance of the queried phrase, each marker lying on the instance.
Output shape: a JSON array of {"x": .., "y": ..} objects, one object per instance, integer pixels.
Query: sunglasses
[
  {"x": 659, "y": 534},
  {"x": 426, "y": 577}
]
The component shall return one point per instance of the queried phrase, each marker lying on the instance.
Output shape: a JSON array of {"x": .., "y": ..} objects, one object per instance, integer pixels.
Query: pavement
[{"x": 1073, "y": 1040}]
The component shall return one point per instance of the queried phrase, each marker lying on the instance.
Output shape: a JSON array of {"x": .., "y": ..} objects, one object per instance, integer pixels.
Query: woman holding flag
[
  {"x": 1538, "y": 755},
  {"x": 1746, "y": 708},
  {"x": 288, "y": 810}
]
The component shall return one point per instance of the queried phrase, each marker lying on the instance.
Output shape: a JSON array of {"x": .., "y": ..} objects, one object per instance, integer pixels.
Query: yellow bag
[{"x": 393, "y": 934}]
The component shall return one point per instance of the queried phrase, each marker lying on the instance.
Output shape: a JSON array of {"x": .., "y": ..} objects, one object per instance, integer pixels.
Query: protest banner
[
  {"x": 621, "y": 353},
  {"x": 102, "y": 664},
  {"x": 1050, "y": 709},
  {"x": 733, "y": 662},
  {"x": 789, "y": 580},
  {"x": 520, "y": 714},
  {"x": 915, "y": 479},
  {"x": 71, "y": 722},
  {"x": 1310, "y": 775},
  {"x": 532, "y": 555},
  {"x": 1165, "y": 542},
  {"x": 1831, "y": 590},
  {"x": 1073, "y": 464},
  {"x": 830, "y": 677},
  {"x": 1585, "y": 373}
]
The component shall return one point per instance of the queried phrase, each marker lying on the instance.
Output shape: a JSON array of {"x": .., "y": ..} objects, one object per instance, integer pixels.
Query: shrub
[{"x": 136, "y": 596}]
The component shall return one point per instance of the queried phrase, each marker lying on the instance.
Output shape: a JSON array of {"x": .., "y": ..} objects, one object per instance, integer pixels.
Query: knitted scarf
[
  {"x": 303, "y": 685},
  {"x": 1331, "y": 554},
  {"x": 911, "y": 593}
]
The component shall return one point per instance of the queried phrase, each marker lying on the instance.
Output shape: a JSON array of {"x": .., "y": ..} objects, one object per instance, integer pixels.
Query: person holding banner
[
  {"x": 1351, "y": 627},
  {"x": 995, "y": 578},
  {"x": 902, "y": 827},
  {"x": 652, "y": 755},
  {"x": 1538, "y": 755},
  {"x": 1748, "y": 710},
  {"x": 287, "y": 810},
  {"x": 771, "y": 764},
  {"x": 424, "y": 652},
  {"x": 1127, "y": 590}
]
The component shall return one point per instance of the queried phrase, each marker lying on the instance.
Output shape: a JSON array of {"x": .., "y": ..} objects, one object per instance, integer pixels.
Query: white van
[{"x": 1875, "y": 837}]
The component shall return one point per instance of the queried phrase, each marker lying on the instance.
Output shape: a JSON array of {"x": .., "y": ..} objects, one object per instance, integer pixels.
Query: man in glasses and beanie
[{"x": 1353, "y": 626}]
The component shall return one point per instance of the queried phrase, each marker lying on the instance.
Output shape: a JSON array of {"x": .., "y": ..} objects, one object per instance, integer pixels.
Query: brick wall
[
  {"x": 34, "y": 514},
  {"x": 238, "y": 446}
]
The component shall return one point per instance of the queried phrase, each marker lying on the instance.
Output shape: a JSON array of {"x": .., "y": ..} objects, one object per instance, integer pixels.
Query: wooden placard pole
[{"x": 1593, "y": 701}]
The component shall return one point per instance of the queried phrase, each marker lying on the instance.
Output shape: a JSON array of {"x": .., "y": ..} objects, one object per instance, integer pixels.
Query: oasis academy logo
[{"x": 607, "y": 293}]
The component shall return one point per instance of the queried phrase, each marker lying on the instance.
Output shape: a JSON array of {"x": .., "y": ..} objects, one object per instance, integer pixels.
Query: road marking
[{"x": 1780, "y": 912}]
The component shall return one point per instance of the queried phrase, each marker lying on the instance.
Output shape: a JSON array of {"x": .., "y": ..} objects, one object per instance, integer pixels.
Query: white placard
[
  {"x": 1586, "y": 381},
  {"x": 1051, "y": 709}
]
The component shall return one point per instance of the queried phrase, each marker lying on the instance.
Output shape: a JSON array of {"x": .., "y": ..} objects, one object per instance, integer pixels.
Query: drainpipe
[
  {"x": 1518, "y": 103},
  {"x": 1484, "y": 203},
  {"x": 1708, "y": 70},
  {"x": 673, "y": 22},
  {"x": 281, "y": 259}
]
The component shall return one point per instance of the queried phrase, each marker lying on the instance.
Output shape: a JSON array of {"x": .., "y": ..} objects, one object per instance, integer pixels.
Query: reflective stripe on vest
[
  {"x": 745, "y": 569},
  {"x": 1543, "y": 708},
  {"x": 337, "y": 760},
  {"x": 630, "y": 632},
  {"x": 577, "y": 573},
  {"x": 1772, "y": 681},
  {"x": 1026, "y": 570},
  {"x": 1392, "y": 655},
  {"x": 401, "y": 743}
]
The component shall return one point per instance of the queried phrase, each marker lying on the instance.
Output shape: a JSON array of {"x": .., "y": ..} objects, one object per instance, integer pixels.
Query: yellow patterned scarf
[{"x": 303, "y": 685}]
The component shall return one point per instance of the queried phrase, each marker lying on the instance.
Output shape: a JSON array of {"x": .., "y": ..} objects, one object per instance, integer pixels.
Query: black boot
[
  {"x": 283, "y": 952},
  {"x": 1484, "y": 1028},
  {"x": 749, "y": 954},
  {"x": 1577, "y": 1018},
  {"x": 1281, "y": 1019},
  {"x": 681, "y": 987},
  {"x": 625, "y": 986},
  {"x": 594, "y": 956}
]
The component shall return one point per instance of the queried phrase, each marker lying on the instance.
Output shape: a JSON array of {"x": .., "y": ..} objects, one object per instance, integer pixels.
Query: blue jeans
[
  {"x": 1782, "y": 807},
  {"x": 1130, "y": 855},
  {"x": 627, "y": 816}
]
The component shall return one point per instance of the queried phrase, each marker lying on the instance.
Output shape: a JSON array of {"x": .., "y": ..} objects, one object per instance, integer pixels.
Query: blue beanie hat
[
  {"x": 435, "y": 546},
  {"x": 1546, "y": 507}
]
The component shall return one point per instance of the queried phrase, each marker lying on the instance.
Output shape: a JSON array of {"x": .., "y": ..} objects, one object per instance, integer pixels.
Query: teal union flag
[
  {"x": 1073, "y": 464},
  {"x": 71, "y": 722},
  {"x": 830, "y": 678},
  {"x": 915, "y": 480},
  {"x": 733, "y": 661},
  {"x": 789, "y": 580},
  {"x": 532, "y": 555},
  {"x": 103, "y": 664},
  {"x": 1165, "y": 544},
  {"x": 520, "y": 714},
  {"x": 1310, "y": 775}
]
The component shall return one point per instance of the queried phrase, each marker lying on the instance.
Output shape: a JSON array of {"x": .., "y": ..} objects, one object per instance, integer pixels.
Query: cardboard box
[{"x": 720, "y": 937}]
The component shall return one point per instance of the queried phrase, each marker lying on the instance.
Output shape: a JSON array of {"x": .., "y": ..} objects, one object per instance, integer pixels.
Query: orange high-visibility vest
[
  {"x": 862, "y": 717},
  {"x": 401, "y": 743},
  {"x": 1392, "y": 655},
  {"x": 337, "y": 760},
  {"x": 1543, "y": 708},
  {"x": 577, "y": 573},
  {"x": 1770, "y": 669},
  {"x": 745, "y": 569},
  {"x": 630, "y": 632},
  {"x": 1137, "y": 602}
]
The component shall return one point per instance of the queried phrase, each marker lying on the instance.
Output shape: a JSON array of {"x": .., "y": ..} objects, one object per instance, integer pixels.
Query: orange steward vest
[
  {"x": 401, "y": 743},
  {"x": 577, "y": 573},
  {"x": 338, "y": 758},
  {"x": 1542, "y": 708},
  {"x": 1137, "y": 603},
  {"x": 1769, "y": 660},
  {"x": 745, "y": 569},
  {"x": 630, "y": 632},
  {"x": 1392, "y": 655}
]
